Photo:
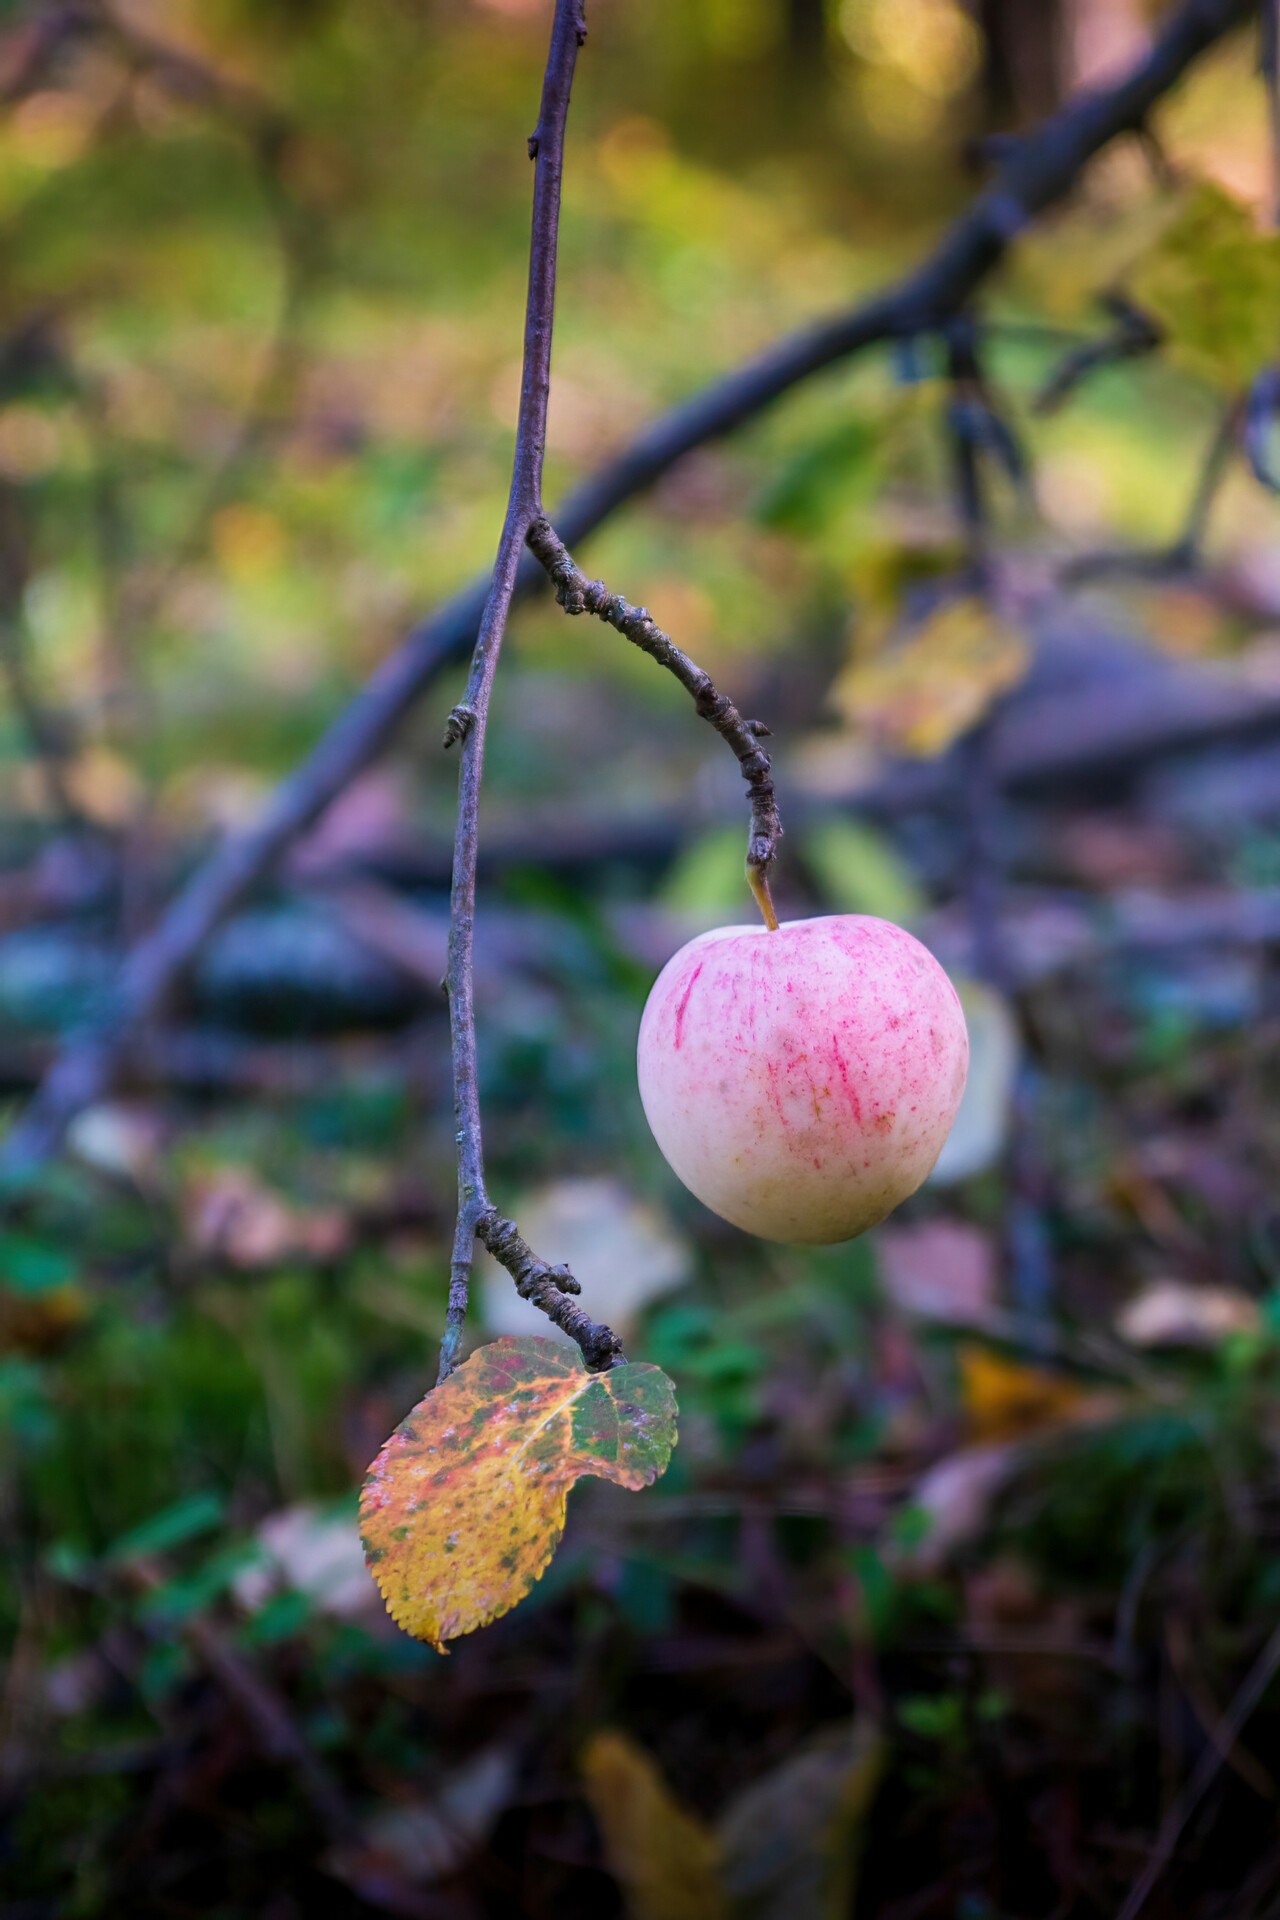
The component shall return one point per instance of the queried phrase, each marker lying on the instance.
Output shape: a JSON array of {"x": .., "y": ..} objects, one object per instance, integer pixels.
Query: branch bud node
[{"x": 459, "y": 724}]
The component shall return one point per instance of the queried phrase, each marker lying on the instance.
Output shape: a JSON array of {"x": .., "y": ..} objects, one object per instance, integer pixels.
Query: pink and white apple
[{"x": 801, "y": 1082}]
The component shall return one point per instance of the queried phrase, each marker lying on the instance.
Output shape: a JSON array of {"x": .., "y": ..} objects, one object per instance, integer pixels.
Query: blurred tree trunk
[
  {"x": 1024, "y": 73},
  {"x": 806, "y": 25}
]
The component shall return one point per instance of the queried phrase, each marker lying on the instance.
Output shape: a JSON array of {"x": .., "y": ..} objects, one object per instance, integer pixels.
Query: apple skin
[{"x": 801, "y": 1082}]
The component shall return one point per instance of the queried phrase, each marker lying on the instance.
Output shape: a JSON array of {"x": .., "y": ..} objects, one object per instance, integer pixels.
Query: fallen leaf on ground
[
  {"x": 427, "y": 1840},
  {"x": 942, "y": 1270},
  {"x": 953, "y": 1503},
  {"x": 663, "y": 1857},
  {"x": 233, "y": 1216},
  {"x": 312, "y": 1550},
  {"x": 1005, "y": 1399},
  {"x": 790, "y": 1844},
  {"x": 787, "y": 1845},
  {"x": 1172, "y": 1313},
  {"x": 120, "y": 1139}
]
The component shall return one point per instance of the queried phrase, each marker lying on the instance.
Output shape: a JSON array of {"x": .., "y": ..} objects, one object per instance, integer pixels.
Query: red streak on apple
[{"x": 801, "y": 1082}]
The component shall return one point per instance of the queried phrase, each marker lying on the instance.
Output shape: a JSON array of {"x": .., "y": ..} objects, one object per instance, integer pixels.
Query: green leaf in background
[
  {"x": 26, "y": 1413},
  {"x": 708, "y": 877},
  {"x": 858, "y": 870},
  {"x": 1211, "y": 282},
  {"x": 169, "y": 1528},
  {"x": 32, "y": 1266},
  {"x": 835, "y": 472},
  {"x": 192, "y": 1593}
]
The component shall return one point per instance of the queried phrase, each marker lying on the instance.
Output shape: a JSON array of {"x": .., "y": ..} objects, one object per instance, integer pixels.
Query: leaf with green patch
[
  {"x": 464, "y": 1506},
  {"x": 859, "y": 870}
]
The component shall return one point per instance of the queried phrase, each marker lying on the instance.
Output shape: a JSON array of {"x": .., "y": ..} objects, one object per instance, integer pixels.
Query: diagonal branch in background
[
  {"x": 546, "y": 1286},
  {"x": 577, "y": 594},
  {"x": 1036, "y": 172}
]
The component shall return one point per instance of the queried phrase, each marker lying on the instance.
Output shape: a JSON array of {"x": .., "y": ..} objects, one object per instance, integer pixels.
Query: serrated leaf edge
[{"x": 637, "y": 1479}]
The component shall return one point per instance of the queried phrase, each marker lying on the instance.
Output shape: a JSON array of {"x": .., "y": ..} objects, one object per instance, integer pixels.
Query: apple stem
[
  {"x": 577, "y": 594},
  {"x": 758, "y": 881}
]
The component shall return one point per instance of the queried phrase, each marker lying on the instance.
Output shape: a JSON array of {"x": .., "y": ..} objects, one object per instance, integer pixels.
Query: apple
[{"x": 801, "y": 1081}]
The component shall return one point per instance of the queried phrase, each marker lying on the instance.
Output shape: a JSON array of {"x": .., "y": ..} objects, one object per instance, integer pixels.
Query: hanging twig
[
  {"x": 1038, "y": 171},
  {"x": 545, "y": 1285},
  {"x": 577, "y": 594}
]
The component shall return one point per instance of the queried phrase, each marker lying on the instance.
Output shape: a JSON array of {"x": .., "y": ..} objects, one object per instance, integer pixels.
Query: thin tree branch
[
  {"x": 1131, "y": 335},
  {"x": 1038, "y": 171},
  {"x": 1185, "y": 551},
  {"x": 1212, "y": 473},
  {"x": 576, "y": 594},
  {"x": 546, "y": 1286}
]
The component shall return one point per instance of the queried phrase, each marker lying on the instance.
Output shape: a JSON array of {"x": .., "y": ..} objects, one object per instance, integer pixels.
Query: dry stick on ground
[
  {"x": 1203, "y": 1774},
  {"x": 546, "y": 1286},
  {"x": 577, "y": 594},
  {"x": 1038, "y": 170}
]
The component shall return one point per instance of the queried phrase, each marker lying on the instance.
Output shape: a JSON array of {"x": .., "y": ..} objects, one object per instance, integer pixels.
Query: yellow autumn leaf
[
  {"x": 1005, "y": 1399},
  {"x": 1063, "y": 265},
  {"x": 1211, "y": 282},
  {"x": 465, "y": 1505},
  {"x": 663, "y": 1857},
  {"x": 918, "y": 694},
  {"x": 785, "y": 1845}
]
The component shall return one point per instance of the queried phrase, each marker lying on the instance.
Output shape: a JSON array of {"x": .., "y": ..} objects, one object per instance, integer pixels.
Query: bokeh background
[{"x": 958, "y": 1597}]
